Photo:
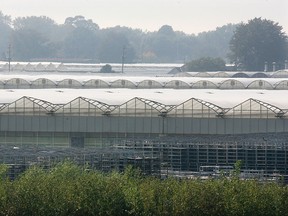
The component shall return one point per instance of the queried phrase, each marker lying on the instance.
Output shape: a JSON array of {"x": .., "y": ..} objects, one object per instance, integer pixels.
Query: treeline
[
  {"x": 80, "y": 39},
  {"x": 68, "y": 189}
]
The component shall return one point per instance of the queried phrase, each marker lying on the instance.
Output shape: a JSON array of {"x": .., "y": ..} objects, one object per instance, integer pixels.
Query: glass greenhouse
[{"x": 182, "y": 122}]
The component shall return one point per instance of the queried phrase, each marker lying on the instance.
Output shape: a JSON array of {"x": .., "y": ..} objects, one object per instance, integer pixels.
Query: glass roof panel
[
  {"x": 24, "y": 105},
  {"x": 256, "y": 107},
  {"x": 197, "y": 106},
  {"x": 83, "y": 105}
]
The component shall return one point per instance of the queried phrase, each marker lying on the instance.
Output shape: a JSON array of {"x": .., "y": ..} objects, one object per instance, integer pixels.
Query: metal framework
[
  {"x": 278, "y": 112},
  {"x": 252, "y": 107},
  {"x": 161, "y": 108},
  {"x": 265, "y": 152},
  {"x": 18, "y": 159},
  {"x": 49, "y": 107},
  {"x": 217, "y": 109}
]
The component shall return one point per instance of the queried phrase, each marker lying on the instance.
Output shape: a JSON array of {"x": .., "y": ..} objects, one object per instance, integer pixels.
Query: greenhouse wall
[{"x": 142, "y": 125}]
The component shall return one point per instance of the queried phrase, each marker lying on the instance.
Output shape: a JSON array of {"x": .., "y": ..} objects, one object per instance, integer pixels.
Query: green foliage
[
  {"x": 81, "y": 22},
  {"x": 5, "y": 29},
  {"x": 237, "y": 168},
  {"x": 67, "y": 189},
  {"x": 257, "y": 42},
  {"x": 81, "y": 43},
  {"x": 206, "y": 64},
  {"x": 107, "y": 68},
  {"x": 81, "y": 39},
  {"x": 30, "y": 44}
]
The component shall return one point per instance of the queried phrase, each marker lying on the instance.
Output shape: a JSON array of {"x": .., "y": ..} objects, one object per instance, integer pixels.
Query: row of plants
[{"x": 68, "y": 189}]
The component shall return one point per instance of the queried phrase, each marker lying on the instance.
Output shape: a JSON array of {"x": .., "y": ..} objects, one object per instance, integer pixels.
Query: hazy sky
[{"x": 190, "y": 16}]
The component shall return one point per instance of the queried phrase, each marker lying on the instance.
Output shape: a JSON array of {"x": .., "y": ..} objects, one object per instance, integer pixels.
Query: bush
[
  {"x": 205, "y": 64},
  {"x": 68, "y": 189},
  {"x": 106, "y": 69}
]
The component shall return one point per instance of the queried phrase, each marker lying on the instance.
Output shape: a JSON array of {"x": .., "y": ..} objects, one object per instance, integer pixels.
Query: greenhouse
[
  {"x": 204, "y": 84},
  {"x": 17, "y": 83},
  {"x": 69, "y": 83},
  {"x": 123, "y": 83},
  {"x": 282, "y": 85},
  {"x": 231, "y": 84},
  {"x": 177, "y": 84},
  {"x": 95, "y": 83},
  {"x": 43, "y": 83},
  {"x": 149, "y": 84},
  {"x": 58, "y": 80},
  {"x": 182, "y": 122},
  {"x": 39, "y": 67},
  {"x": 145, "y": 115},
  {"x": 261, "y": 84}
]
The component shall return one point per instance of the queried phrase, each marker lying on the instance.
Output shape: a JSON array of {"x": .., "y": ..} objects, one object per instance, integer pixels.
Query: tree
[
  {"x": 164, "y": 44},
  {"x": 166, "y": 30},
  {"x": 32, "y": 38},
  {"x": 206, "y": 64},
  {"x": 107, "y": 68},
  {"x": 113, "y": 45},
  {"x": 257, "y": 42},
  {"x": 5, "y": 32},
  {"x": 81, "y": 22},
  {"x": 81, "y": 38},
  {"x": 42, "y": 24},
  {"x": 81, "y": 43},
  {"x": 214, "y": 43},
  {"x": 29, "y": 44}
]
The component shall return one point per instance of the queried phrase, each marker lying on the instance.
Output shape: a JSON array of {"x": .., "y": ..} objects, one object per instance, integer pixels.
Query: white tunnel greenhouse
[{"x": 9, "y": 81}]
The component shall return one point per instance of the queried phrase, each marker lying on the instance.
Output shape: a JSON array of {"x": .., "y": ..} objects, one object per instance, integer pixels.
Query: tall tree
[
  {"x": 257, "y": 42},
  {"x": 114, "y": 47},
  {"x": 32, "y": 38},
  {"x": 81, "y": 22},
  {"x": 164, "y": 44},
  {"x": 214, "y": 43},
  {"x": 42, "y": 24},
  {"x": 29, "y": 44},
  {"x": 81, "y": 40},
  {"x": 81, "y": 43},
  {"x": 5, "y": 31}
]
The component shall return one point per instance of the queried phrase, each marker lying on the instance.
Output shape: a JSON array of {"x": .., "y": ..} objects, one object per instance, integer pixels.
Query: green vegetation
[
  {"x": 68, "y": 189},
  {"x": 107, "y": 68},
  {"x": 36, "y": 38},
  {"x": 206, "y": 64},
  {"x": 257, "y": 42}
]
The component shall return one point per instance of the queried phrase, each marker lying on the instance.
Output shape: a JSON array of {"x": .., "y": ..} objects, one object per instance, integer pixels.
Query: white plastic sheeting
[
  {"x": 222, "y": 98},
  {"x": 78, "y": 80}
]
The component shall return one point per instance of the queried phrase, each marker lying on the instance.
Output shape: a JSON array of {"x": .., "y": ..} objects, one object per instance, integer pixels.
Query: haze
[{"x": 189, "y": 16}]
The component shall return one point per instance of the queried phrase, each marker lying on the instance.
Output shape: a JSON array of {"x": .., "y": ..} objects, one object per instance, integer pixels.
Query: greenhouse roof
[
  {"x": 82, "y": 79},
  {"x": 215, "y": 98}
]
